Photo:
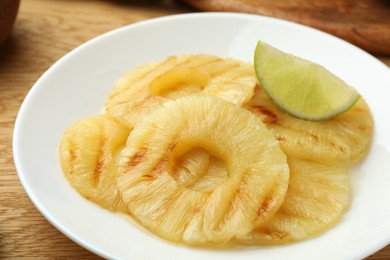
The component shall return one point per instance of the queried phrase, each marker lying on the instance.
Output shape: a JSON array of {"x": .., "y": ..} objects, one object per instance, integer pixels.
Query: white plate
[{"x": 77, "y": 86}]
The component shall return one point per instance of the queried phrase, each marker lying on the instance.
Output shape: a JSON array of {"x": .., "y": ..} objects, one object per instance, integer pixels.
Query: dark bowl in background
[{"x": 8, "y": 11}]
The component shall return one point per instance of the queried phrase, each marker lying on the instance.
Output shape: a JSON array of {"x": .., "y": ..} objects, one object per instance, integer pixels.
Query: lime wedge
[{"x": 302, "y": 88}]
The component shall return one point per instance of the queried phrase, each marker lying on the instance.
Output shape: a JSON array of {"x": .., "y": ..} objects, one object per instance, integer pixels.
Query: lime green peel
[{"x": 300, "y": 87}]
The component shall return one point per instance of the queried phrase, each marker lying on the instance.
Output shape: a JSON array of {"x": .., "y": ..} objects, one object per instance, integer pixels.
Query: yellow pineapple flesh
[
  {"x": 88, "y": 152},
  {"x": 167, "y": 199},
  {"x": 317, "y": 196},
  {"x": 200, "y": 170},
  {"x": 344, "y": 139},
  {"x": 148, "y": 86}
]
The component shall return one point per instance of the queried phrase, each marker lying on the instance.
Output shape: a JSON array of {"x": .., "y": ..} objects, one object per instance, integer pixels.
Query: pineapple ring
[
  {"x": 341, "y": 140},
  {"x": 253, "y": 192},
  {"x": 317, "y": 196},
  {"x": 146, "y": 87},
  {"x": 87, "y": 154}
]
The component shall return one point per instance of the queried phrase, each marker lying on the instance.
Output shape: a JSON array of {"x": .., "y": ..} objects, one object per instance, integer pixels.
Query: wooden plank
[{"x": 365, "y": 23}]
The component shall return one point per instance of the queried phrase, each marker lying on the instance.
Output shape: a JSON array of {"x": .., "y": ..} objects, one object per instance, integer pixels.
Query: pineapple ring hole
[
  {"x": 195, "y": 164},
  {"x": 179, "y": 82}
]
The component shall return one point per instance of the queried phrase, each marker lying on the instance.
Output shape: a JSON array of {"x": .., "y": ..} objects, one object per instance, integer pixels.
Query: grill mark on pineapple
[
  {"x": 231, "y": 208},
  {"x": 265, "y": 207},
  {"x": 99, "y": 168},
  {"x": 172, "y": 145},
  {"x": 236, "y": 199},
  {"x": 318, "y": 139},
  {"x": 199, "y": 208},
  {"x": 270, "y": 117},
  {"x": 276, "y": 234},
  {"x": 72, "y": 157},
  {"x": 99, "y": 165},
  {"x": 313, "y": 137},
  {"x": 137, "y": 158},
  {"x": 342, "y": 149},
  {"x": 160, "y": 166}
]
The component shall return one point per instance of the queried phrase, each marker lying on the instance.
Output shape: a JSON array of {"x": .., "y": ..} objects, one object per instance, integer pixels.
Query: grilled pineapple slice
[
  {"x": 88, "y": 151},
  {"x": 250, "y": 186},
  {"x": 342, "y": 140},
  {"x": 148, "y": 86},
  {"x": 317, "y": 196}
]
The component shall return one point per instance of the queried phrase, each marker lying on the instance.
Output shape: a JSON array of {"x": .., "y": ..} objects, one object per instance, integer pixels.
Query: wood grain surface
[
  {"x": 365, "y": 23},
  {"x": 45, "y": 30}
]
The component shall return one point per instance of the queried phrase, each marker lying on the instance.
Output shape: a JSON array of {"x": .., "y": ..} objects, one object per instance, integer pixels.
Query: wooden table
[{"x": 45, "y": 30}]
